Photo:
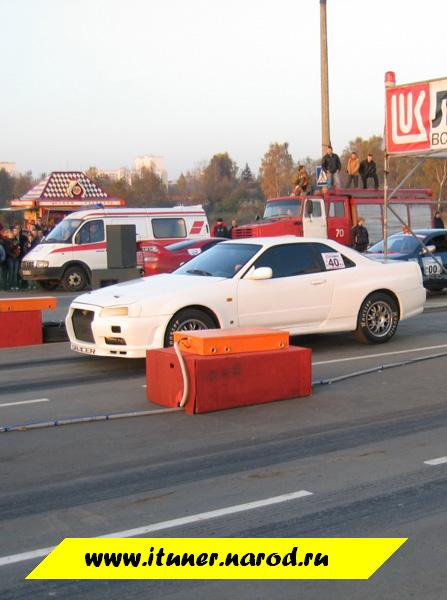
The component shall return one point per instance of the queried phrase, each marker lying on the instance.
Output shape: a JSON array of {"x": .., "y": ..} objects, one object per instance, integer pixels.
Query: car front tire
[
  {"x": 74, "y": 279},
  {"x": 377, "y": 320},
  {"x": 188, "y": 319}
]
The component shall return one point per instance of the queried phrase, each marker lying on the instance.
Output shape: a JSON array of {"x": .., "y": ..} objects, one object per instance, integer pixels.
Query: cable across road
[{"x": 147, "y": 413}]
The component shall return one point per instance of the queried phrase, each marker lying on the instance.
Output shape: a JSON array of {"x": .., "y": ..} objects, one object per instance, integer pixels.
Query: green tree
[
  {"x": 219, "y": 178},
  {"x": 22, "y": 183},
  {"x": 6, "y": 187},
  {"x": 246, "y": 174},
  {"x": 276, "y": 170},
  {"x": 147, "y": 189}
]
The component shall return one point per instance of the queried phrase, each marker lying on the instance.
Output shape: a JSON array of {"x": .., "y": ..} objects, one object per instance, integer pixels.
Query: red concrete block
[
  {"x": 228, "y": 381},
  {"x": 20, "y": 328}
]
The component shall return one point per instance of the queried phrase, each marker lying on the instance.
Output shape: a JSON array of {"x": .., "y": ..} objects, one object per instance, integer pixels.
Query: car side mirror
[
  {"x": 260, "y": 273},
  {"x": 431, "y": 248},
  {"x": 77, "y": 239}
]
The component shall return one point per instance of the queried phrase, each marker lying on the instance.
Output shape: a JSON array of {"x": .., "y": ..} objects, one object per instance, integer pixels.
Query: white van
[{"x": 78, "y": 244}]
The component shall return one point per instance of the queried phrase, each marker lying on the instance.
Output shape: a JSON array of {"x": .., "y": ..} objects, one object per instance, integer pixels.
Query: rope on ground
[
  {"x": 377, "y": 369},
  {"x": 88, "y": 419},
  {"x": 144, "y": 413}
]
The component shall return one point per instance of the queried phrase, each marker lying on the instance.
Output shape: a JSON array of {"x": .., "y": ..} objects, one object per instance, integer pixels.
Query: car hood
[{"x": 155, "y": 287}]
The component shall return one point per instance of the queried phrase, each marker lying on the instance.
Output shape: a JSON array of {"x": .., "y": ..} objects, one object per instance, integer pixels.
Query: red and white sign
[{"x": 416, "y": 117}]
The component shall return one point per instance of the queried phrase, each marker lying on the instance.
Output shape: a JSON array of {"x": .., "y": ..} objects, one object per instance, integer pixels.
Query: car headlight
[
  {"x": 115, "y": 311},
  {"x": 41, "y": 264}
]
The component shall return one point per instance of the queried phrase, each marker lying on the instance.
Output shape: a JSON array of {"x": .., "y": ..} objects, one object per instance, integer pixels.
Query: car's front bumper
[
  {"x": 28, "y": 272},
  {"x": 127, "y": 337}
]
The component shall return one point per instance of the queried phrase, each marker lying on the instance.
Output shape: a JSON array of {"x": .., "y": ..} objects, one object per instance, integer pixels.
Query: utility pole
[{"x": 325, "y": 127}]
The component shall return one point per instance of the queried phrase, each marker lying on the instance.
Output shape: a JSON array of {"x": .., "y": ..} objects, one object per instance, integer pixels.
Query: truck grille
[
  {"x": 82, "y": 325},
  {"x": 243, "y": 232},
  {"x": 27, "y": 264}
]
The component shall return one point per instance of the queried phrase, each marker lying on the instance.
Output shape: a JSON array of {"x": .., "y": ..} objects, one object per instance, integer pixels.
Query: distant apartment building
[
  {"x": 154, "y": 163},
  {"x": 9, "y": 167},
  {"x": 117, "y": 174}
]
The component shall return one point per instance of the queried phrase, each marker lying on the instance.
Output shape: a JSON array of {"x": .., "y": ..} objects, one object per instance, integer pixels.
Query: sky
[{"x": 100, "y": 82}]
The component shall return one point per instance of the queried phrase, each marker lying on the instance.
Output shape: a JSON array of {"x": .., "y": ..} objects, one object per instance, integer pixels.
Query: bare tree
[{"x": 441, "y": 178}]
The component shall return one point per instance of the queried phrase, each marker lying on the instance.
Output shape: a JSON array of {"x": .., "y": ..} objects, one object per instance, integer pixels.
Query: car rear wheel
[
  {"x": 188, "y": 319},
  {"x": 74, "y": 279},
  {"x": 377, "y": 320}
]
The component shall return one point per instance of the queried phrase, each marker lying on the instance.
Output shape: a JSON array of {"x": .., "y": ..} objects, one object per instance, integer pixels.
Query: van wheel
[
  {"x": 48, "y": 284},
  {"x": 74, "y": 279},
  {"x": 378, "y": 319},
  {"x": 188, "y": 319}
]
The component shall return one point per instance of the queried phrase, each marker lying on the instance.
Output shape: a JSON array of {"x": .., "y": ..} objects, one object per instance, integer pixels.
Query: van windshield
[
  {"x": 283, "y": 208},
  {"x": 63, "y": 232}
]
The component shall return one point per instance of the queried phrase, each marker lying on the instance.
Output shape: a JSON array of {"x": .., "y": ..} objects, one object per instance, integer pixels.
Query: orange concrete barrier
[
  {"x": 218, "y": 382},
  {"x": 207, "y": 342},
  {"x": 21, "y": 320},
  {"x": 25, "y": 304}
]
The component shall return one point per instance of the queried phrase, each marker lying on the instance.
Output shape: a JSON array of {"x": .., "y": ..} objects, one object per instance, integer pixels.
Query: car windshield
[
  {"x": 222, "y": 260},
  {"x": 401, "y": 244},
  {"x": 63, "y": 232},
  {"x": 283, "y": 208}
]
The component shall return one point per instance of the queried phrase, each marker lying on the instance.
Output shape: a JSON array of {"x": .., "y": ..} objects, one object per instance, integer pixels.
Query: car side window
[
  {"x": 336, "y": 209},
  {"x": 289, "y": 260},
  {"x": 321, "y": 249},
  {"x": 440, "y": 242},
  {"x": 91, "y": 232}
]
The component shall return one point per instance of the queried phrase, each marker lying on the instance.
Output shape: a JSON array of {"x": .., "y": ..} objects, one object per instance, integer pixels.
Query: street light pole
[{"x": 325, "y": 127}]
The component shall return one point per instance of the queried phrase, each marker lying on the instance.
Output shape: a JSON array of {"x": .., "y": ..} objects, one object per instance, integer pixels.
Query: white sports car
[{"x": 302, "y": 285}]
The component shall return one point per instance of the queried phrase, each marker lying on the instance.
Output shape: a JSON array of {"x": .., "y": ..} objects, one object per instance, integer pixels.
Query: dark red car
[{"x": 165, "y": 259}]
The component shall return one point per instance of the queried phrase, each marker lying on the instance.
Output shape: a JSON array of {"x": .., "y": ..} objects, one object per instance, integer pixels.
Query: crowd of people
[
  {"x": 332, "y": 167},
  {"x": 15, "y": 243}
]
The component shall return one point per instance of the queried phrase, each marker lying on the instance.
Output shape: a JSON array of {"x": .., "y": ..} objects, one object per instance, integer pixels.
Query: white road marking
[
  {"x": 366, "y": 356},
  {"x": 436, "y": 461},
  {"x": 140, "y": 531},
  {"x": 24, "y": 402}
]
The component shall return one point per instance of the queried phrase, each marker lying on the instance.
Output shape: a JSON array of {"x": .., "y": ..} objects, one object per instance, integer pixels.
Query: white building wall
[
  {"x": 156, "y": 163},
  {"x": 10, "y": 167}
]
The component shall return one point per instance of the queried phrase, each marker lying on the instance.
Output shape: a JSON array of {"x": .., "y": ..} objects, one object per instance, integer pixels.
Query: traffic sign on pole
[{"x": 321, "y": 177}]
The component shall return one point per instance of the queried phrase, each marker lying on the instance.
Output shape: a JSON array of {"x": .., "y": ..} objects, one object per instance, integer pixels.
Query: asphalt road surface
[{"x": 360, "y": 446}]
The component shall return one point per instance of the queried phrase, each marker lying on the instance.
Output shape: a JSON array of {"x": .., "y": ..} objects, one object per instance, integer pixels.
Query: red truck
[{"x": 333, "y": 214}]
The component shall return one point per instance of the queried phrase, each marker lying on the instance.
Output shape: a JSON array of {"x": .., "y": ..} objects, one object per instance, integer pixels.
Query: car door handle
[{"x": 318, "y": 281}]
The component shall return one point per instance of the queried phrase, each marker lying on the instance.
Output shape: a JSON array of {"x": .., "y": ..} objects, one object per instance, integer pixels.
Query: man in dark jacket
[
  {"x": 331, "y": 165},
  {"x": 438, "y": 223},
  {"x": 360, "y": 237},
  {"x": 368, "y": 169},
  {"x": 220, "y": 229},
  {"x": 13, "y": 252}
]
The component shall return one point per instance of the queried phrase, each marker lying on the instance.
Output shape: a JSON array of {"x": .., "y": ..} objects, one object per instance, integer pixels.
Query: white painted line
[
  {"x": 212, "y": 514},
  {"x": 24, "y": 402},
  {"x": 436, "y": 461},
  {"x": 366, "y": 356},
  {"x": 140, "y": 531}
]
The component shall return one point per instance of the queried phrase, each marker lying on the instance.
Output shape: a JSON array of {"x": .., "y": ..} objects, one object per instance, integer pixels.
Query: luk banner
[{"x": 416, "y": 117}]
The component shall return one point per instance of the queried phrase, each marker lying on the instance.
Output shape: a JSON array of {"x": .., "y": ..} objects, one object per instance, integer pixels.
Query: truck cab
[{"x": 291, "y": 215}]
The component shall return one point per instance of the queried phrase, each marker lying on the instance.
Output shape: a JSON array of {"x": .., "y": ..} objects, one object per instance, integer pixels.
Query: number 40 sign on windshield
[{"x": 333, "y": 260}]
